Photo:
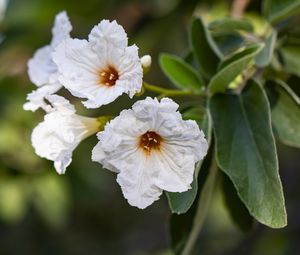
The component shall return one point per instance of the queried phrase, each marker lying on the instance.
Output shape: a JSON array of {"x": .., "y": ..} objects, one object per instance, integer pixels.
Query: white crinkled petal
[
  {"x": 60, "y": 133},
  {"x": 61, "y": 104},
  {"x": 138, "y": 181},
  {"x": 79, "y": 67},
  {"x": 130, "y": 71},
  {"x": 36, "y": 99},
  {"x": 100, "y": 95},
  {"x": 108, "y": 32},
  {"x": 42, "y": 70},
  {"x": 143, "y": 176},
  {"x": 49, "y": 143},
  {"x": 136, "y": 176},
  {"x": 61, "y": 29},
  {"x": 41, "y": 66}
]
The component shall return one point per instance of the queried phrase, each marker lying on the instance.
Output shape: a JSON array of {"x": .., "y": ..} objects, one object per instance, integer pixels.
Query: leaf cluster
[{"x": 248, "y": 106}]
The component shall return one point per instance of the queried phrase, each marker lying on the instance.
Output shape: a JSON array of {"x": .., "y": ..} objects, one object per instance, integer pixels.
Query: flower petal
[
  {"x": 36, "y": 99},
  {"x": 61, "y": 29},
  {"x": 60, "y": 133},
  {"x": 109, "y": 33},
  {"x": 41, "y": 66},
  {"x": 138, "y": 182},
  {"x": 165, "y": 161},
  {"x": 81, "y": 64}
]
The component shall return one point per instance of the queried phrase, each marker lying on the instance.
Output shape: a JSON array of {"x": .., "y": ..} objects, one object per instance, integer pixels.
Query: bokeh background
[{"x": 84, "y": 212}]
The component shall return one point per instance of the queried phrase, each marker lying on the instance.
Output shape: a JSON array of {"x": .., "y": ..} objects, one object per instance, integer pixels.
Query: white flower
[
  {"x": 102, "y": 68},
  {"x": 42, "y": 70},
  {"x": 60, "y": 133},
  {"x": 152, "y": 149}
]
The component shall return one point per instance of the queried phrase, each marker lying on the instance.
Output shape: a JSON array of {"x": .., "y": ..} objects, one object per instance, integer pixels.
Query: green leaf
[
  {"x": 235, "y": 206},
  {"x": 285, "y": 109},
  {"x": 276, "y": 10},
  {"x": 231, "y": 67},
  {"x": 181, "y": 74},
  {"x": 229, "y": 24},
  {"x": 206, "y": 51},
  {"x": 264, "y": 57},
  {"x": 181, "y": 202},
  {"x": 246, "y": 152},
  {"x": 291, "y": 59}
]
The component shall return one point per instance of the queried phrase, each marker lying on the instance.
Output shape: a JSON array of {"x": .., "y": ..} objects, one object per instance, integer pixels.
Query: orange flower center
[
  {"x": 108, "y": 76},
  {"x": 150, "y": 141}
]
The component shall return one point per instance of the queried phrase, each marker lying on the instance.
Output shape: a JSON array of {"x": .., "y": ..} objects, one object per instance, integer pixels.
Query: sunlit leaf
[
  {"x": 230, "y": 24},
  {"x": 180, "y": 73},
  {"x": 231, "y": 67}
]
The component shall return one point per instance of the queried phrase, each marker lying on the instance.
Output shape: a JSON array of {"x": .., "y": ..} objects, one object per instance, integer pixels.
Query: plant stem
[
  {"x": 172, "y": 92},
  {"x": 238, "y": 8},
  {"x": 203, "y": 206},
  {"x": 102, "y": 120}
]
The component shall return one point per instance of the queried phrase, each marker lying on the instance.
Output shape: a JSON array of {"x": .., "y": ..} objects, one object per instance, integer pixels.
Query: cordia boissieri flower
[
  {"x": 101, "y": 68},
  {"x": 42, "y": 70},
  {"x": 61, "y": 131},
  {"x": 152, "y": 149}
]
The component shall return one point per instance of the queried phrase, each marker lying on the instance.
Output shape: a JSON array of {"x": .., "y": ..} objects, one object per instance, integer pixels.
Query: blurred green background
[{"x": 84, "y": 212}]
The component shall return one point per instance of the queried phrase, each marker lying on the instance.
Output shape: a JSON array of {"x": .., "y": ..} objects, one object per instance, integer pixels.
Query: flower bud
[{"x": 146, "y": 63}]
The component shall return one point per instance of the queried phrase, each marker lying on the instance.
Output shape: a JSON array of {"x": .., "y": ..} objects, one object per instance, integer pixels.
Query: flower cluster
[{"x": 150, "y": 147}]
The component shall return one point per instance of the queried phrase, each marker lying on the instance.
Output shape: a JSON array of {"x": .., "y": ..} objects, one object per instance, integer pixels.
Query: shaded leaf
[
  {"x": 235, "y": 206},
  {"x": 206, "y": 51},
  {"x": 291, "y": 59},
  {"x": 181, "y": 74},
  {"x": 231, "y": 67},
  {"x": 264, "y": 57},
  {"x": 246, "y": 152},
  {"x": 276, "y": 10},
  {"x": 285, "y": 109}
]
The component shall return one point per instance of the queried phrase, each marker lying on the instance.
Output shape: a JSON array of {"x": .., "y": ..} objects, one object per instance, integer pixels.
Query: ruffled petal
[
  {"x": 60, "y": 133},
  {"x": 138, "y": 182},
  {"x": 77, "y": 65},
  {"x": 169, "y": 165},
  {"x": 81, "y": 63},
  {"x": 36, "y": 99},
  {"x": 41, "y": 66},
  {"x": 61, "y": 29},
  {"x": 177, "y": 175},
  {"x": 109, "y": 33},
  {"x": 130, "y": 71}
]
